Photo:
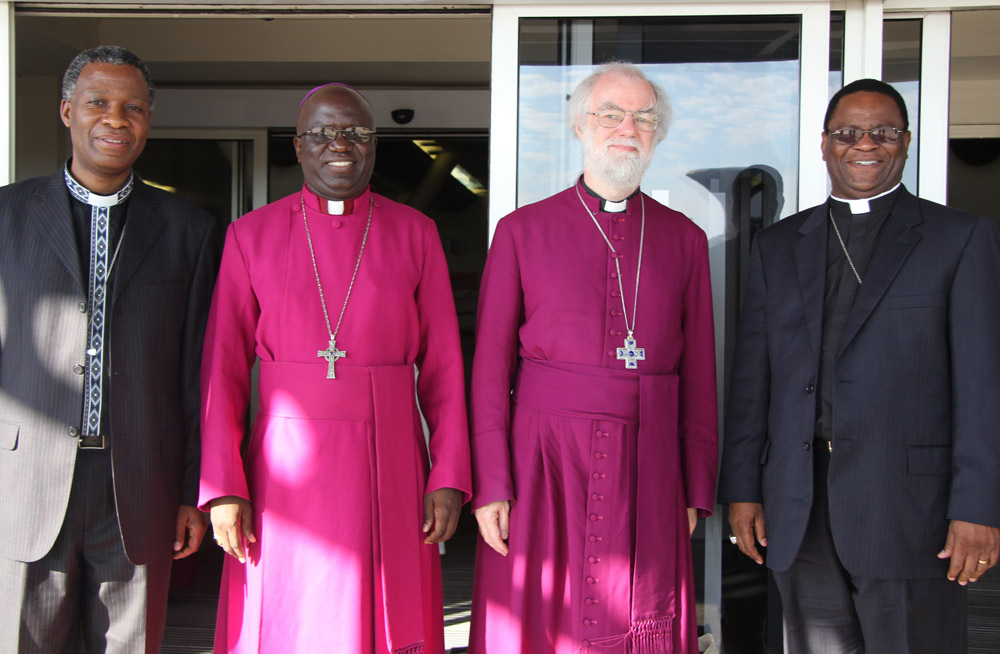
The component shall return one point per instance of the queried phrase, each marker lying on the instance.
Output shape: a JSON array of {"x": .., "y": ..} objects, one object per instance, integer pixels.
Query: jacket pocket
[
  {"x": 915, "y": 301},
  {"x": 8, "y": 434},
  {"x": 928, "y": 459}
]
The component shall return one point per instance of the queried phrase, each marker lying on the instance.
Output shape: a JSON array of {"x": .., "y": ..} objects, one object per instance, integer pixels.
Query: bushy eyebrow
[{"x": 608, "y": 104}]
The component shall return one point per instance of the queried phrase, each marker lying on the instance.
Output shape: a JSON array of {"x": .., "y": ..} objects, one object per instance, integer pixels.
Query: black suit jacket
[
  {"x": 163, "y": 285},
  {"x": 916, "y": 396}
]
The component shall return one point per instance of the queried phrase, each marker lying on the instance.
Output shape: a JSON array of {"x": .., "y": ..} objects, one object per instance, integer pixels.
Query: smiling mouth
[
  {"x": 865, "y": 163},
  {"x": 340, "y": 164}
]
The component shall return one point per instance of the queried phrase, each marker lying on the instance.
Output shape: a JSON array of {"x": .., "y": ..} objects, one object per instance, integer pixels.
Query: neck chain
[
  {"x": 630, "y": 353},
  {"x": 843, "y": 247},
  {"x": 331, "y": 353}
]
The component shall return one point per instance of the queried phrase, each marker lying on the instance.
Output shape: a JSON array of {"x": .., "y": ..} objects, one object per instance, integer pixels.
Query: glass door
[{"x": 749, "y": 86}]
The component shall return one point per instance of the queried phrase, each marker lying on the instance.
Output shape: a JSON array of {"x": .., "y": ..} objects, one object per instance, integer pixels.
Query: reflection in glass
[
  {"x": 733, "y": 82},
  {"x": 901, "y": 68}
]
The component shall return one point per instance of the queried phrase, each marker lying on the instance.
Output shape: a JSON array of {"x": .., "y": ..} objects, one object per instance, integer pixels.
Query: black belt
[
  {"x": 93, "y": 442},
  {"x": 822, "y": 445}
]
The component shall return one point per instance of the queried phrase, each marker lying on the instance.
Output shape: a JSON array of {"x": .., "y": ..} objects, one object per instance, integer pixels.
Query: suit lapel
[
  {"x": 810, "y": 265},
  {"x": 143, "y": 225},
  {"x": 894, "y": 245},
  {"x": 51, "y": 215}
]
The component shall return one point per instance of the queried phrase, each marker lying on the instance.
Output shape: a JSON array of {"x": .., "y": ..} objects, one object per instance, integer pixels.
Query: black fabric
[{"x": 860, "y": 233}]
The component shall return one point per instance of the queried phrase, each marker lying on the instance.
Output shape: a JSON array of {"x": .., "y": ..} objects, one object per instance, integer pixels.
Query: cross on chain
[
  {"x": 630, "y": 354},
  {"x": 331, "y": 354}
]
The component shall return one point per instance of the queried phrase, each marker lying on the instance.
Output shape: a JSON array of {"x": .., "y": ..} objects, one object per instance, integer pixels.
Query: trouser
[
  {"x": 827, "y": 610},
  {"x": 85, "y": 587}
]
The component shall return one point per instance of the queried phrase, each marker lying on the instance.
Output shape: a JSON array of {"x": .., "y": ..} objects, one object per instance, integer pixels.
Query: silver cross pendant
[
  {"x": 331, "y": 354},
  {"x": 631, "y": 354}
]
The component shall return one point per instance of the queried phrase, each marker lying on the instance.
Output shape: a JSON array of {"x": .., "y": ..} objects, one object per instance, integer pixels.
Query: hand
[
  {"x": 441, "y": 510},
  {"x": 190, "y": 530},
  {"x": 494, "y": 525},
  {"x": 973, "y": 550},
  {"x": 232, "y": 522},
  {"x": 745, "y": 518},
  {"x": 692, "y": 520}
]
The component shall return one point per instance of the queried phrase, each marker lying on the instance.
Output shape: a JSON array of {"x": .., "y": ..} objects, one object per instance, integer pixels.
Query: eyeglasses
[
  {"x": 879, "y": 135},
  {"x": 644, "y": 120},
  {"x": 327, "y": 135}
]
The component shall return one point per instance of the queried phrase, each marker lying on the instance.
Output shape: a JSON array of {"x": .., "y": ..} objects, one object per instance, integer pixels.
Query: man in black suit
[
  {"x": 105, "y": 284},
  {"x": 861, "y": 443}
]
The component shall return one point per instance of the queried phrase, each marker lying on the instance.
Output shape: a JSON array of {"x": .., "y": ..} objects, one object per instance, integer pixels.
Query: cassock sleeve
[
  {"x": 499, "y": 316},
  {"x": 749, "y": 393},
  {"x": 698, "y": 403},
  {"x": 225, "y": 376},
  {"x": 973, "y": 316},
  {"x": 441, "y": 380}
]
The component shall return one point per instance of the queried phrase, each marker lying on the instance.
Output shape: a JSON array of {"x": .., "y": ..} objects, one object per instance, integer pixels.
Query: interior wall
[
  {"x": 41, "y": 141},
  {"x": 972, "y": 183}
]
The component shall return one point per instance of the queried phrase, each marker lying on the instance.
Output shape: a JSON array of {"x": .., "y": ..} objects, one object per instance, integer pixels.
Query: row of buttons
[{"x": 594, "y": 518}]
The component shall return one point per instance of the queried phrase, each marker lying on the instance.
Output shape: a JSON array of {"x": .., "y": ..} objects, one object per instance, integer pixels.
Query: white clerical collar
[
  {"x": 614, "y": 207},
  {"x": 861, "y": 205},
  {"x": 339, "y": 207}
]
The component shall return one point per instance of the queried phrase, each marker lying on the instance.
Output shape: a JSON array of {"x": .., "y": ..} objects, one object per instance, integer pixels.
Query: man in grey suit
[
  {"x": 861, "y": 443},
  {"x": 105, "y": 284}
]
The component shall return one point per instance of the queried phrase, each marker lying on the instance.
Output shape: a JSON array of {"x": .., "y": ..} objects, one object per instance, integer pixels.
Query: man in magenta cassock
[
  {"x": 333, "y": 516},
  {"x": 594, "y": 430}
]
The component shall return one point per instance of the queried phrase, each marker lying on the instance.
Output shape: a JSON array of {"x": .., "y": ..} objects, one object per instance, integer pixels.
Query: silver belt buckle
[{"x": 93, "y": 442}]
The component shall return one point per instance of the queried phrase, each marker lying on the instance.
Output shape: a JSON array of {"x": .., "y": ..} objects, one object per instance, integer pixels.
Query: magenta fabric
[
  {"x": 336, "y": 469},
  {"x": 600, "y": 462}
]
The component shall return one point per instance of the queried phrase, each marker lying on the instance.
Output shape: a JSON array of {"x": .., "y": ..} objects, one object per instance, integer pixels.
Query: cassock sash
[
  {"x": 650, "y": 402},
  {"x": 385, "y": 397}
]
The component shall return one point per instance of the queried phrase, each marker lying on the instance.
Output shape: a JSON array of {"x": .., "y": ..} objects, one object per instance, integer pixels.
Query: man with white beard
[{"x": 594, "y": 401}]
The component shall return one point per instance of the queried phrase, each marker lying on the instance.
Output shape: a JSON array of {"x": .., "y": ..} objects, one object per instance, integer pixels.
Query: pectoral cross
[
  {"x": 331, "y": 354},
  {"x": 630, "y": 354}
]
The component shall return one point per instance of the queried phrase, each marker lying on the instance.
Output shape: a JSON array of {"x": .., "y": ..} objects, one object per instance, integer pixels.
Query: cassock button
[
  {"x": 82, "y": 307},
  {"x": 593, "y": 517},
  {"x": 596, "y": 497},
  {"x": 585, "y": 644},
  {"x": 620, "y": 219},
  {"x": 619, "y": 237},
  {"x": 589, "y": 601},
  {"x": 73, "y": 431},
  {"x": 598, "y": 433},
  {"x": 611, "y": 353},
  {"x": 78, "y": 369},
  {"x": 594, "y": 559},
  {"x": 614, "y": 275},
  {"x": 587, "y": 622},
  {"x": 336, "y": 223},
  {"x": 810, "y": 388},
  {"x": 591, "y": 580},
  {"x": 806, "y": 446}
]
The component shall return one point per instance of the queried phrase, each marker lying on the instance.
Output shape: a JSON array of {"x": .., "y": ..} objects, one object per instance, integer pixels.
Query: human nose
[
  {"x": 114, "y": 115},
  {"x": 866, "y": 141},
  {"x": 339, "y": 142}
]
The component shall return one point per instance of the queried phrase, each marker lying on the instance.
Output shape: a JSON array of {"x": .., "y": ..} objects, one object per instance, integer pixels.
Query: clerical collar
[
  {"x": 330, "y": 207},
  {"x": 609, "y": 206},
  {"x": 85, "y": 195},
  {"x": 866, "y": 205}
]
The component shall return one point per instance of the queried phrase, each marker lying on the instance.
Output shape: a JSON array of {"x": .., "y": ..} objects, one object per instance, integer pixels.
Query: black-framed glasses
[
  {"x": 879, "y": 135},
  {"x": 645, "y": 121},
  {"x": 327, "y": 135}
]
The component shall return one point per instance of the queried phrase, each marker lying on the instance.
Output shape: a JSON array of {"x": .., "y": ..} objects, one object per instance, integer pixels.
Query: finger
[
  {"x": 439, "y": 526},
  {"x": 428, "y": 513},
  {"x": 492, "y": 536},
  {"x": 745, "y": 541},
  {"x": 247, "y": 520},
  {"x": 504, "y": 521},
  {"x": 760, "y": 529},
  {"x": 235, "y": 546},
  {"x": 180, "y": 531}
]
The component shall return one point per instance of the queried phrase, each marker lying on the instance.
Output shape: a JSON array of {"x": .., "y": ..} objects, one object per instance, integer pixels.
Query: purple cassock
[
  {"x": 336, "y": 469},
  {"x": 599, "y": 459}
]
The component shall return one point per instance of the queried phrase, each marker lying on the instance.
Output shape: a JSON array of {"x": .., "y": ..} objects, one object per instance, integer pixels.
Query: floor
[{"x": 191, "y": 614}]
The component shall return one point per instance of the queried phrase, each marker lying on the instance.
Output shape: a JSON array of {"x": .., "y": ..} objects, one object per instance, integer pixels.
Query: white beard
[{"x": 621, "y": 171}]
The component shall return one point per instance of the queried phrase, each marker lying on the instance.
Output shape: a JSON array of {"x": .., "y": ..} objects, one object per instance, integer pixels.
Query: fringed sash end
[
  {"x": 415, "y": 648},
  {"x": 651, "y": 637}
]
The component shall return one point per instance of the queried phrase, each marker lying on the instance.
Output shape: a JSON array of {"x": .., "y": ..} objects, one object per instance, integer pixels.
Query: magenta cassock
[
  {"x": 336, "y": 469},
  {"x": 600, "y": 462}
]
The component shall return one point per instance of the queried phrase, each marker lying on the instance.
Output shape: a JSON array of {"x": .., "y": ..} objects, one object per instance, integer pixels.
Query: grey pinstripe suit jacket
[
  {"x": 916, "y": 397},
  {"x": 162, "y": 289}
]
